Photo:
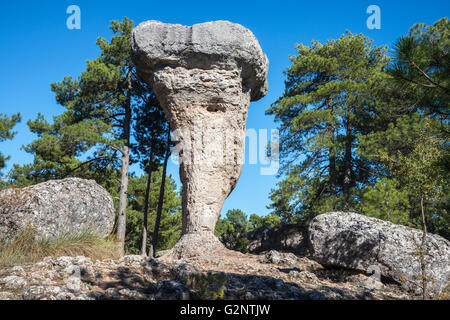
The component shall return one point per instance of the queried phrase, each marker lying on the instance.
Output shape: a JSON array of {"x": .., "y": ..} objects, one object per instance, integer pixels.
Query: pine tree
[
  {"x": 257, "y": 221},
  {"x": 97, "y": 121},
  {"x": 411, "y": 118},
  {"x": 162, "y": 191},
  {"x": 387, "y": 201},
  {"x": 57, "y": 152},
  {"x": 326, "y": 103},
  {"x": 150, "y": 130},
  {"x": 422, "y": 66},
  {"x": 419, "y": 167},
  {"x": 232, "y": 230},
  {"x": 414, "y": 151},
  {"x": 6, "y": 133},
  {"x": 170, "y": 221}
]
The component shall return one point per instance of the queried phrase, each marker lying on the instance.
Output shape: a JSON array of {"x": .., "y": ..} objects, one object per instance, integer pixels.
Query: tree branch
[
  {"x": 428, "y": 77},
  {"x": 92, "y": 160}
]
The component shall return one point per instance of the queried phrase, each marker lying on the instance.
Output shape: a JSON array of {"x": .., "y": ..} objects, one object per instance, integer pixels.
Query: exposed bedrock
[{"x": 204, "y": 76}]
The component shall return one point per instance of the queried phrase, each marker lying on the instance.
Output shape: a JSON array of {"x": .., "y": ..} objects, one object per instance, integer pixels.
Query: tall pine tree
[
  {"x": 422, "y": 66},
  {"x": 6, "y": 133},
  {"x": 150, "y": 133},
  {"x": 327, "y": 102},
  {"x": 95, "y": 130}
]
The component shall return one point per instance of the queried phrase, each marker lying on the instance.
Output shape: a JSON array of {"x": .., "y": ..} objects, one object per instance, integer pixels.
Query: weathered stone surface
[
  {"x": 58, "y": 206},
  {"x": 140, "y": 278},
  {"x": 13, "y": 282},
  {"x": 278, "y": 258},
  {"x": 286, "y": 238},
  {"x": 204, "y": 76},
  {"x": 219, "y": 45},
  {"x": 351, "y": 240},
  {"x": 171, "y": 290},
  {"x": 7, "y": 296},
  {"x": 288, "y": 259}
]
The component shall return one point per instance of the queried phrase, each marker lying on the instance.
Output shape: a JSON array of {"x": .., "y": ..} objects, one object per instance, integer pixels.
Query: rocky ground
[{"x": 270, "y": 275}]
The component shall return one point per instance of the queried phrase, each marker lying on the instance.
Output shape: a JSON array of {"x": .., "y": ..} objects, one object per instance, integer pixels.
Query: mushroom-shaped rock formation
[{"x": 204, "y": 77}]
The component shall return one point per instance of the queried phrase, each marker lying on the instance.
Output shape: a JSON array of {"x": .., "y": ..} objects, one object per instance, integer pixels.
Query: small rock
[
  {"x": 249, "y": 296},
  {"x": 112, "y": 292},
  {"x": 33, "y": 293},
  {"x": 62, "y": 262},
  {"x": 304, "y": 276},
  {"x": 72, "y": 270},
  {"x": 7, "y": 296},
  {"x": 171, "y": 290},
  {"x": 132, "y": 294},
  {"x": 17, "y": 271},
  {"x": 311, "y": 265},
  {"x": 13, "y": 282},
  {"x": 134, "y": 260},
  {"x": 82, "y": 261},
  {"x": 74, "y": 284},
  {"x": 372, "y": 283},
  {"x": 279, "y": 258}
]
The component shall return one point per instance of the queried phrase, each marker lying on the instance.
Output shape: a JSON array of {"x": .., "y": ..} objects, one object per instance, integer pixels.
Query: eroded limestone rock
[
  {"x": 285, "y": 238},
  {"x": 204, "y": 76},
  {"x": 56, "y": 207},
  {"x": 354, "y": 241}
]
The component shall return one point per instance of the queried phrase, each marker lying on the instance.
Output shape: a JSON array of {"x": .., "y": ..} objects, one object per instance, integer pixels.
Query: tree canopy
[
  {"x": 365, "y": 132},
  {"x": 6, "y": 133}
]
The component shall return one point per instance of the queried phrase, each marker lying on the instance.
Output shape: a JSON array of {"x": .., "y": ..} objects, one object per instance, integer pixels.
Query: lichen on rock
[
  {"x": 57, "y": 207},
  {"x": 354, "y": 241}
]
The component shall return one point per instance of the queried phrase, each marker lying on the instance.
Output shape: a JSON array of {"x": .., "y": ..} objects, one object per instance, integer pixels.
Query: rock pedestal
[{"x": 204, "y": 77}]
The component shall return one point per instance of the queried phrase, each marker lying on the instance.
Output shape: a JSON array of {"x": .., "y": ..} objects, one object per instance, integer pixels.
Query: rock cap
[{"x": 209, "y": 45}]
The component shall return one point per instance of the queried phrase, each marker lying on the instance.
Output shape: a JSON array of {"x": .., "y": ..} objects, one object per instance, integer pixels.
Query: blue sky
[{"x": 38, "y": 49}]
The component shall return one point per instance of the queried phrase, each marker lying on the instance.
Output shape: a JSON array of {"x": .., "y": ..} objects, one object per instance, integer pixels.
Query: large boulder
[
  {"x": 55, "y": 207},
  {"x": 351, "y": 240},
  {"x": 285, "y": 238}
]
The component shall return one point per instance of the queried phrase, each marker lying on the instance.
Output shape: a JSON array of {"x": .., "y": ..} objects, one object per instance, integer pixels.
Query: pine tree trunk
[
  {"x": 161, "y": 195},
  {"x": 332, "y": 161},
  {"x": 147, "y": 194},
  {"x": 348, "y": 160},
  {"x": 331, "y": 153},
  {"x": 122, "y": 219},
  {"x": 422, "y": 251},
  {"x": 123, "y": 194}
]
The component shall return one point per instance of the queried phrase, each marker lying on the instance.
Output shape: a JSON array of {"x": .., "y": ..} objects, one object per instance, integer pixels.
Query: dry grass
[{"x": 26, "y": 248}]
